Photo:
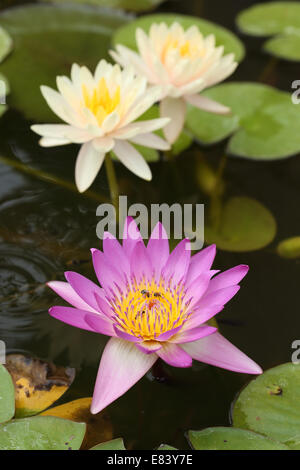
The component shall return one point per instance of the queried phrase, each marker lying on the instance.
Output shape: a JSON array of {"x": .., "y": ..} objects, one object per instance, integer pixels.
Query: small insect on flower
[
  {"x": 154, "y": 304},
  {"x": 183, "y": 63},
  {"x": 101, "y": 112}
]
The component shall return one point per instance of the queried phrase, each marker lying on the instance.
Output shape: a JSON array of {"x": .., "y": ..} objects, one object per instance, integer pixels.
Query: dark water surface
[{"x": 46, "y": 229}]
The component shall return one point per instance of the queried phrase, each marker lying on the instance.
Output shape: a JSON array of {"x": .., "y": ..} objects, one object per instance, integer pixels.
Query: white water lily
[
  {"x": 184, "y": 63},
  {"x": 101, "y": 112}
]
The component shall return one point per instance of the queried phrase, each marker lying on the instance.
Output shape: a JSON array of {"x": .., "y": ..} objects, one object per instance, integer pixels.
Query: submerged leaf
[
  {"x": 244, "y": 225},
  {"x": 41, "y": 433},
  {"x": 48, "y": 40},
  {"x": 274, "y": 18},
  {"x": 99, "y": 428},
  {"x": 7, "y": 395},
  {"x": 269, "y": 405},
  {"x": 131, "y": 5},
  {"x": 264, "y": 123},
  {"x": 222, "y": 438},
  {"x": 115, "y": 444},
  {"x": 289, "y": 248},
  {"x": 126, "y": 34},
  {"x": 38, "y": 384}
]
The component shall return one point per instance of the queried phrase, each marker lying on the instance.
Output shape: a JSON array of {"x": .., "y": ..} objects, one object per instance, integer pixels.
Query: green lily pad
[
  {"x": 289, "y": 248},
  {"x": 270, "y": 406},
  {"x": 245, "y": 225},
  {"x": 115, "y": 444},
  {"x": 264, "y": 124},
  {"x": 131, "y": 5},
  {"x": 126, "y": 34},
  {"x": 48, "y": 40},
  {"x": 281, "y": 19},
  {"x": 222, "y": 438},
  {"x": 7, "y": 395},
  {"x": 6, "y": 44},
  {"x": 41, "y": 433}
]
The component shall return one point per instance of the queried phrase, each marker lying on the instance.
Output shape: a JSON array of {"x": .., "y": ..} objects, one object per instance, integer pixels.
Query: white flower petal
[
  {"x": 152, "y": 141},
  {"x": 104, "y": 144},
  {"x": 202, "y": 102},
  {"x": 53, "y": 142},
  {"x": 175, "y": 108},
  {"x": 88, "y": 164},
  {"x": 59, "y": 106},
  {"x": 132, "y": 159},
  {"x": 63, "y": 131}
]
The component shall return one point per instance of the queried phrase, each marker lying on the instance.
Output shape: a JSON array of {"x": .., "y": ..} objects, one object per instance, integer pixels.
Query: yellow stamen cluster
[
  {"x": 150, "y": 309},
  {"x": 99, "y": 100},
  {"x": 186, "y": 49}
]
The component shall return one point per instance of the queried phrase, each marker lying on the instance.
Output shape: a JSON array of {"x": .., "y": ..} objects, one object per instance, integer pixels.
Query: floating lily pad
[
  {"x": 270, "y": 406},
  {"x": 281, "y": 19},
  {"x": 7, "y": 395},
  {"x": 115, "y": 444},
  {"x": 244, "y": 225},
  {"x": 126, "y": 34},
  {"x": 6, "y": 44},
  {"x": 289, "y": 248},
  {"x": 221, "y": 438},
  {"x": 264, "y": 123},
  {"x": 38, "y": 384},
  {"x": 48, "y": 40},
  {"x": 99, "y": 428},
  {"x": 131, "y": 5},
  {"x": 41, "y": 433}
]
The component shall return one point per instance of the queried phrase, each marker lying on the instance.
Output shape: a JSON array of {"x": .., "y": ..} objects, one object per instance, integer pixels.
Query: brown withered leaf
[{"x": 38, "y": 384}]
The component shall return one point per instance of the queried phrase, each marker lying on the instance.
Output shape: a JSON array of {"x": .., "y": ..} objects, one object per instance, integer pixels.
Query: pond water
[{"x": 46, "y": 228}]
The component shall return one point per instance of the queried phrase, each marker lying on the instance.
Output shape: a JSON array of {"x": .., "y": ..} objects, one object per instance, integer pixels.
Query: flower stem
[{"x": 112, "y": 182}]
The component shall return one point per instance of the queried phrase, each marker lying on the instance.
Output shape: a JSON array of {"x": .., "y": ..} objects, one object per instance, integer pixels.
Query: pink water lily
[{"x": 154, "y": 304}]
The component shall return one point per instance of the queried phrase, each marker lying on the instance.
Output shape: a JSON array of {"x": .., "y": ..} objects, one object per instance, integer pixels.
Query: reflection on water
[{"x": 46, "y": 230}]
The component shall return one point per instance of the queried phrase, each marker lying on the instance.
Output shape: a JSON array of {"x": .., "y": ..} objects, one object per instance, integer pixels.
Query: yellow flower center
[
  {"x": 150, "y": 309},
  {"x": 186, "y": 49},
  {"x": 99, "y": 100}
]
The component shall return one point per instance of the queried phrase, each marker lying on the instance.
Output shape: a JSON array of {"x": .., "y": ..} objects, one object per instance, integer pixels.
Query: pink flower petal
[
  {"x": 114, "y": 251},
  {"x": 228, "y": 278},
  {"x": 201, "y": 315},
  {"x": 217, "y": 351},
  {"x": 66, "y": 292},
  {"x": 84, "y": 288},
  {"x": 201, "y": 262},
  {"x": 121, "y": 366},
  {"x": 158, "y": 248},
  {"x": 141, "y": 266},
  {"x": 218, "y": 297},
  {"x": 186, "y": 336},
  {"x": 149, "y": 347},
  {"x": 178, "y": 262},
  {"x": 104, "y": 307},
  {"x": 198, "y": 288},
  {"x": 81, "y": 319},
  {"x": 174, "y": 355},
  {"x": 127, "y": 336},
  {"x": 107, "y": 274},
  {"x": 131, "y": 235}
]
